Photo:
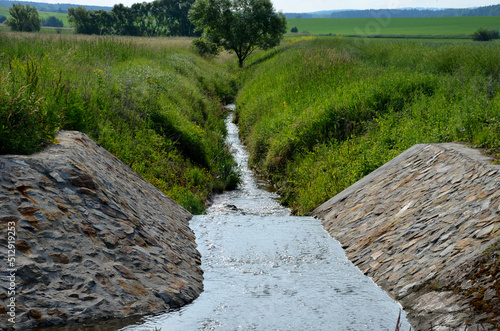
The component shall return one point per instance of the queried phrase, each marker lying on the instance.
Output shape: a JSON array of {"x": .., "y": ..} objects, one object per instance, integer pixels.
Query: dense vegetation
[
  {"x": 485, "y": 35},
  {"x": 157, "y": 18},
  {"x": 53, "y": 22},
  {"x": 318, "y": 114},
  {"x": 153, "y": 103}
]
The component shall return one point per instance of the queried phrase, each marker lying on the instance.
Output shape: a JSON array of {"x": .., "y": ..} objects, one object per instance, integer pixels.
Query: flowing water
[{"x": 266, "y": 270}]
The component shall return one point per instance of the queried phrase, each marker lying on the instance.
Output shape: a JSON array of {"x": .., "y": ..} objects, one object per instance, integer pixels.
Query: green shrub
[
  {"x": 485, "y": 35},
  {"x": 294, "y": 29},
  {"x": 206, "y": 48},
  {"x": 52, "y": 21}
]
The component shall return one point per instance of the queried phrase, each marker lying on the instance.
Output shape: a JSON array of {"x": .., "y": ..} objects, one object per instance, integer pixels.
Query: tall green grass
[
  {"x": 318, "y": 114},
  {"x": 152, "y": 102}
]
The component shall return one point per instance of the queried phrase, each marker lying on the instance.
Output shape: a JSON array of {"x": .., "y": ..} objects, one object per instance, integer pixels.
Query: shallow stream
[{"x": 266, "y": 270}]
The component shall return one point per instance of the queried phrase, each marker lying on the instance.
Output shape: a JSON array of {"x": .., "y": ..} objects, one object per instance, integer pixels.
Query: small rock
[
  {"x": 35, "y": 314},
  {"x": 109, "y": 239},
  {"x": 60, "y": 258},
  {"x": 124, "y": 271},
  {"x": 83, "y": 180},
  {"x": 68, "y": 191},
  {"x": 484, "y": 232},
  {"x": 86, "y": 191},
  {"x": 23, "y": 246},
  {"x": 6, "y": 217},
  {"x": 87, "y": 229},
  {"x": 27, "y": 208},
  {"x": 57, "y": 177}
]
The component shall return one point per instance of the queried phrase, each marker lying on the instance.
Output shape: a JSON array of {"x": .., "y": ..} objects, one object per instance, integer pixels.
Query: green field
[
  {"x": 43, "y": 15},
  {"x": 431, "y": 26}
]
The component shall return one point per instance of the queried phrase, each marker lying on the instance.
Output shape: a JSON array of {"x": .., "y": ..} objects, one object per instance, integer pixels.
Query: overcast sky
[{"x": 304, "y": 6}]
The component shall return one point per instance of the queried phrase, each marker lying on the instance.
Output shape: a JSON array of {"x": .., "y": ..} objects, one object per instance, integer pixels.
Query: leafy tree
[
  {"x": 23, "y": 18},
  {"x": 2, "y": 19},
  {"x": 104, "y": 20},
  {"x": 157, "y": 18},
  {"x": 240, "y": 26},
  {"x": 124, "y": 21},
  {"x": 53, "y": 21},
  {"x": 144, "y": 19},
  {"x": 91, "y": 21},
  {"x": 173, "y": 15},
  {"x": 80, "y": 18},
  {"x": 294, "y": 30}
]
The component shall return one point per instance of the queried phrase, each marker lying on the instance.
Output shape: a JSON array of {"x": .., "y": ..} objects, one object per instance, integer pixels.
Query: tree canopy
[
  {"x": 240, "y": 26},
  {"x": 157, "y": 18},
  {"x": 53, "y": 21},
  {"x": 90, "y": 21},
  {"x": 24, "y": 18}
]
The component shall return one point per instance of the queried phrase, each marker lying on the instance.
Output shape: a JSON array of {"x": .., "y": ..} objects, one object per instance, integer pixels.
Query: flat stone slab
[
  {"x": 418, "y": 226},
  {"x": 93, "y": 239}
]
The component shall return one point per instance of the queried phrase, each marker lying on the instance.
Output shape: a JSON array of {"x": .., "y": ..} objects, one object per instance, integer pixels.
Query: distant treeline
[
  {"x": 157, "y": 18},
  {"x": 51, "y": 7},
  {"x": 369, "y": 13}
]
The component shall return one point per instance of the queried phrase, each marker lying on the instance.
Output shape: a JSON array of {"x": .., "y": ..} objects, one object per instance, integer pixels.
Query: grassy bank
[
  {"x": 152, "y": 102},
  {"x": 318, "y": 114}
]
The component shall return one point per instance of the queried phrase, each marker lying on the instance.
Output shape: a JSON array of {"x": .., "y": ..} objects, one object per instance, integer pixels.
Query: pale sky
[{"x": 303, "y": 6}]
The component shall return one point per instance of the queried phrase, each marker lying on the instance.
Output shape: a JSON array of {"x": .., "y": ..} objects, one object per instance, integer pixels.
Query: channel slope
[
  {"x": 93, "y": 239},
  {"x": 421, "y": 226}
]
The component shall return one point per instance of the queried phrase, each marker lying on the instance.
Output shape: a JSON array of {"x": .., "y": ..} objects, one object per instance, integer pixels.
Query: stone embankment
[
  {"x": 424, "y": 227},
  {"x": 93, "y": 239}
]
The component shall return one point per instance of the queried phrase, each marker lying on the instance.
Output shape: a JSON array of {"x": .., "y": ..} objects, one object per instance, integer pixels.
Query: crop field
[
  {"x": 4, "y": 11},
  {"x": 460, "y": 27}
]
